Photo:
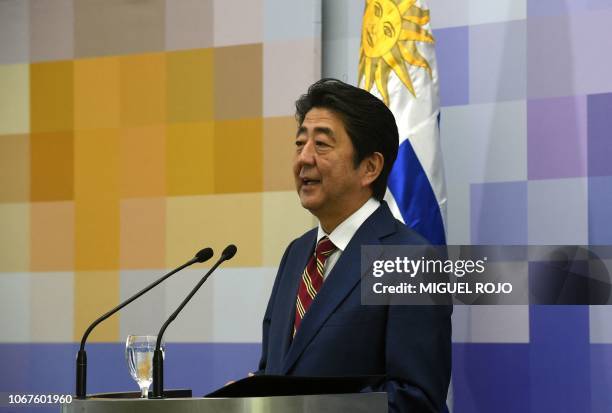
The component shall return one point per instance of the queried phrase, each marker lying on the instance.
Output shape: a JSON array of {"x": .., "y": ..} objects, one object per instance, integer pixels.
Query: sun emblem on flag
[{"x": 389, "y": 34}]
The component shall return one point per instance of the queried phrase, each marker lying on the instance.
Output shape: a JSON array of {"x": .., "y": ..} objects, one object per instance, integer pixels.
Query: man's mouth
[{"x": 308, "y": 182}]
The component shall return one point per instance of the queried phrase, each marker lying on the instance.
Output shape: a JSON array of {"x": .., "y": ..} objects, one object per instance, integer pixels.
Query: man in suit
[{"x": 315, "y": 324}]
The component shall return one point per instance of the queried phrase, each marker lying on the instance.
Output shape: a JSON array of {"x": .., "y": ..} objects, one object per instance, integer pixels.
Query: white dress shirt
[{"x": 344, "y": 232}]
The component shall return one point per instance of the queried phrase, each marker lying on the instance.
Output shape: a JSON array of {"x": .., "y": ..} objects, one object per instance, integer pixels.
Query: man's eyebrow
[{"x": 318, "y": 130}]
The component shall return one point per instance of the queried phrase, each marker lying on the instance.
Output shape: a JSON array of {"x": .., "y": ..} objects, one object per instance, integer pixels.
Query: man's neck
[{"x": 330, "y": 223}]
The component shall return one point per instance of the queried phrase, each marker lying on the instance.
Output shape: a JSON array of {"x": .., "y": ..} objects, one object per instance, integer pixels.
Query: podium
[{"x": 375, "y": 402}]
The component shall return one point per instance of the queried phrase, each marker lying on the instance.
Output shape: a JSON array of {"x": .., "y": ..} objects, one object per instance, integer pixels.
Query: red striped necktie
[{"x": 312, "y": 279}]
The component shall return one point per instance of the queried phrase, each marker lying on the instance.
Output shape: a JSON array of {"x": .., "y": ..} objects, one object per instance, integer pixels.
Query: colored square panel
[
  {"x": 498, "y": 62},
  {"x": 576, "y": 68},
  {"x": 52, "y": 236},
  {"x": 556, "y": 7},
  {"x": 189, "y": 24},
  {"x": 250, "y": 286},
  {"x": 143, "y": 89},
  {"x": 279, "y": 229},
  {"x": 147, "y": 314},
  {"x": 14, "y": 31},
  {"x": 600, "y": 212},
  {"x": 601, "y": 377},
  {"x": 190, "y": 85},
  {"x": 449, "y": 13},
  {"x": 278, "y": 152},
  {"x": 51, "y": 166},
  {"x": 51, "y": 30},
  {"x": 237, "y": 22},
  {"x": 491, "y": 324},
  {"x": 195, "y": 222},
  {"x": 96, "y": 93},
  {"x": 143, "y": 230},
  {"x": 285, "y": 79},
  {"x": 15, "y": 307},
  {"x": 484, "y": 11},
  {"x": 238, "y": 81},
  {"x": 190, "y": 161},
  {"x": 452, "y": 55},
  {"x": 14, "y": 237},
  {"x": 499, "y": 213},
  {"x": 14, "y": 99},
  {"x": 52, "y": 315},
  {"x": 559, "y": 358},
  {"x": 600, "y": 329},
  {"x": 195, "y": 324},
  {"x": 107, "y": 27},
  {"x": 238, "y": 152},
  {"x": 143, "y": 161},
  {"x": 491, "y": 378},
  {"x": 96, "y": 292},
  {"x": 96, "y": 187},
  {"x": 557, "y": 141},
  {"x": 600, "y": 134},
  {"x": 557, "y": 212},
  {"x": 51, "y": 96},
  {"x": 298, "y": 19},
  {"x": 14, "y": 168}
]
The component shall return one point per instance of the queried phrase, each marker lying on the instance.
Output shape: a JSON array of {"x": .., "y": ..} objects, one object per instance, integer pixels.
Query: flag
[{"x": 397, "y": 63}]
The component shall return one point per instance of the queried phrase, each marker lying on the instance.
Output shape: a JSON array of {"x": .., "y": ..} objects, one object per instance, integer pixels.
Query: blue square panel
[
  {"x": 453, "y": 66},
  {"x": 491, "y": 378},
  {"x": 558, "y": 211},
  {"x": 499, "y": 213},
  {"x": 600, "y": 210},
  {"x": 599, "y": 118}
]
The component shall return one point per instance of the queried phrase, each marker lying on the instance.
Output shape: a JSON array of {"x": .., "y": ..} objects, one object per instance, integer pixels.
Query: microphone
[
  {"x": 81, "y": 364},
  {"x": 158, "y": 359}
]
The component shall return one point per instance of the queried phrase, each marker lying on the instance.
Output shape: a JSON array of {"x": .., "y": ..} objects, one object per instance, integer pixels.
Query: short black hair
[{"x": 367, "y": 120}]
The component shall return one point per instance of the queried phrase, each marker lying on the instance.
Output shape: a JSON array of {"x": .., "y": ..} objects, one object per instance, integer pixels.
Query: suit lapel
[{"x": 343, "y": 278}]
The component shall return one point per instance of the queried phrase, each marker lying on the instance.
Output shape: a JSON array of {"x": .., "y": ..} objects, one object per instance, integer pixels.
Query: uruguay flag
[{"x": 397, "y": 63}]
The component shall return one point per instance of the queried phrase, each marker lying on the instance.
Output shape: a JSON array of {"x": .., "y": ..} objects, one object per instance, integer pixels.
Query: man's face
[{"x": 326, "y": 179}]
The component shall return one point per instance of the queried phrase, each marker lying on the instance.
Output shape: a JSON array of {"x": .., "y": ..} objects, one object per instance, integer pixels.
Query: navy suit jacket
[{"x": 410, "y": 345}]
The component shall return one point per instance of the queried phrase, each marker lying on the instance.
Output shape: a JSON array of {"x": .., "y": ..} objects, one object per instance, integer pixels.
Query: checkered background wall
[{"x": 132, "y": 134}]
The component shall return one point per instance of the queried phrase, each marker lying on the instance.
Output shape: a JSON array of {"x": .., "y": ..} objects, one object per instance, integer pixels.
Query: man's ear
[{"x": 372, "y": 167}]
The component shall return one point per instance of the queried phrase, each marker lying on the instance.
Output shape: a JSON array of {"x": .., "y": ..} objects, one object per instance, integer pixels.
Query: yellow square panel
[
  {"x": 190, "y": 85},
  {"x": 143, "y": 232},
  {"x": 96, "y": 93},
  {"x": 238, "y": 156},
  {"x": 96, "y": 292},
  {"x": 14, "y": 168},
  {"x": 52, "y": 236},
  {"x": 97, "y": 199},
  {"x": 238, "y": 81},
  {"x": 278, "y": 151},
  {"x": 143, "y": 161},
  {"x": 195, "y": 222},
  {"x": 190, "y": 158},
  {"x": 14, "y": 99},
  {"x": 284, "y": 219},
  {"x": 15, "y": 237},
  {"x": 143, "y": 89},
  {"x": 51, "y": 166},
  {"x": 51, "y": 96}
]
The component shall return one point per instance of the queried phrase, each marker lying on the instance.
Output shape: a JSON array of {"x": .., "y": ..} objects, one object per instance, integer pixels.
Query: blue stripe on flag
[{"x": 414, "y": 196}]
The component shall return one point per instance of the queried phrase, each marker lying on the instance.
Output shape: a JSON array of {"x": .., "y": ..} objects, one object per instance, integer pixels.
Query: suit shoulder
[{"x": 405, "y": 235}]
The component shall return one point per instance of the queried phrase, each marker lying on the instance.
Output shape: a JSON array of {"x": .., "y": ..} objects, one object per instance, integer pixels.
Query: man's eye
[
  {"x": 299, "y": 144},
  {"x": 321, "y": 143}
]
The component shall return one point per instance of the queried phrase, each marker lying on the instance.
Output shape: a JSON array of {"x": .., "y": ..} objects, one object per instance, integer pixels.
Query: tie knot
[{"x": 325, "y": 247}]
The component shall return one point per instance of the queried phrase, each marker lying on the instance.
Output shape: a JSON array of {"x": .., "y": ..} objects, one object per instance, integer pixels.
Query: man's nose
[{"x": 307, "y": 154}]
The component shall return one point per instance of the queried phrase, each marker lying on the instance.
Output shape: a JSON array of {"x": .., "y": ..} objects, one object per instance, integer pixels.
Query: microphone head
[
  {"x": 229, "y": 252},
  {"x": 204, "y": 255}
]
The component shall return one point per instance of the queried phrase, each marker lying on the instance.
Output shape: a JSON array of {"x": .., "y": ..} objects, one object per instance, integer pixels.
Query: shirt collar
[{"x": 343, "y": 233}]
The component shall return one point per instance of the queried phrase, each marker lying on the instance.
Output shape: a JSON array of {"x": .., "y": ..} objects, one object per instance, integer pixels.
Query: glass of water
[{"x": 139, "y": 354}]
